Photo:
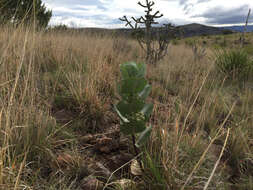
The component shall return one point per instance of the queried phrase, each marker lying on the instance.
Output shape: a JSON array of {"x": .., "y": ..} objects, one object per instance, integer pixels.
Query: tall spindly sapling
[{"x": 154, "y": 41}]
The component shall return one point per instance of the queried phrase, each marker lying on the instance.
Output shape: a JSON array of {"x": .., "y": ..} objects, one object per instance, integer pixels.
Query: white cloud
[{"x": 105, "y": 13}]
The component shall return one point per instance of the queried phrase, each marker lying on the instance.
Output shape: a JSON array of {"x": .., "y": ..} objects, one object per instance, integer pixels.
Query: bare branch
[
  {"x": 151, "y": 3},
  {"x": 137, "y": 20},
  {"x": 156, "y": 15},
  {"x": 139, "y": 3},
  {"x": 154, "y": 43},
  {"x": 125, "y": 19}
]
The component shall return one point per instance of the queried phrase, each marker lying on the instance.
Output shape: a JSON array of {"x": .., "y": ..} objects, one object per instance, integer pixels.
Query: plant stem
[
  {"x": 135, "y": 148},
  {"x": 136, "y": 154}
]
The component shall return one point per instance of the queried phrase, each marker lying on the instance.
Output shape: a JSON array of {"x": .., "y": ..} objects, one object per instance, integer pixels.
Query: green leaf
[
  {"x": 177, "y": 106},
  {"x": 129, "y": 69},
  {"x": 133, "y": 127},
  {"x": 143, "y": 137},
  {"x": 142, "y": 69},
  {"x": 145, "y": 92},
  {"x": 126, "y": 129},
  {"x": 131, "y": 86},
  {"x": 147, "y": 110},
  {"x": 139, "y": 125},
  {"x": 126, "y": 108},
  {"x": 125, "y": 120}
]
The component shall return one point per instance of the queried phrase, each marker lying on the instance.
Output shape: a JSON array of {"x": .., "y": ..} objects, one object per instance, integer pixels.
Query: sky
[{"x": 106, "y": 13}]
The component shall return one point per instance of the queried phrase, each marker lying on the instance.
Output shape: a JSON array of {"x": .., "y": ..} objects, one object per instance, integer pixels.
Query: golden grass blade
[
  {"x": 208, "y": 147},
  {"x": 218, "y": 161}
]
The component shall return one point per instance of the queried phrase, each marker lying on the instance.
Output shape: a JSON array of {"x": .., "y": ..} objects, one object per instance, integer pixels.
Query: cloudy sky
[{"x": 105, "y": 13}]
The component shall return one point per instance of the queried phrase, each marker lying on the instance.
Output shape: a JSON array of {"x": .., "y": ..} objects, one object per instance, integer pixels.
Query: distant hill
[
  {"x": 239, "y": 28},
  {"x": 188, "y": 30},
  {"x": 195, "y": 29}
]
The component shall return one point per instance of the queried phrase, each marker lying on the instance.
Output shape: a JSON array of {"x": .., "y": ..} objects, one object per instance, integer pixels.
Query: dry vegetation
[{"x": 57, "y": 90}]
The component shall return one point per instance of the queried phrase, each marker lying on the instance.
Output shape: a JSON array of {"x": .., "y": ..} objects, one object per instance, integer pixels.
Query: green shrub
[
  {"x": 248, "y": 49},
  {"x": 175, "y": 42},
  {"x": 226, "y": 32},
  {"x": 132, "y": 109},
  {"x": 190, "y": 42},
  {"x": 234, "y": 63}
]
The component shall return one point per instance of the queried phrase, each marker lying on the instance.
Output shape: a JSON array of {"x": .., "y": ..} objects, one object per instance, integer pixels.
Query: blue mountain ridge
[{"x": 239, "y": 28}]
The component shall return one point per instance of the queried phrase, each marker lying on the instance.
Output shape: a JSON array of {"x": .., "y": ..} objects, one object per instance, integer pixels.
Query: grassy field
[{"x": 59, "y": 129}]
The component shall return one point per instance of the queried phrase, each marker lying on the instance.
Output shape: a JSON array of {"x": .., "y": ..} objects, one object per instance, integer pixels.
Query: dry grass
[{"x": 44, "y": 73}]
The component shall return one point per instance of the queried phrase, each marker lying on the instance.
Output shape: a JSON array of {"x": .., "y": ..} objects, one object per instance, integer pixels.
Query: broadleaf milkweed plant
[{"x": 132, "y": 109}]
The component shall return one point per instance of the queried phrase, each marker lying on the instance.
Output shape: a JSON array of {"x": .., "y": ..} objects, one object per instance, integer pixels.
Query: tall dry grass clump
[
  {"x": 43, "y": 75},
  {"x": 25, "y": 120}
]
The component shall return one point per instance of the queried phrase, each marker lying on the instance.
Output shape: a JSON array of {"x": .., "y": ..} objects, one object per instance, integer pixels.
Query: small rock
[
  {"x": 105, "y": 149},
  {"x": 135, "y": 168},
  {"x": 100, "y": 171},
  {"x": 106, "y": 144},
  {"x": 125, "y": 184},
  {"x": 86, "y": 139},
  {"x": 119, "y": 160},
  {"x": 91, "y": 183},
  {"x": 64, "y": 161},
  {"x": 104, "y": 141}
]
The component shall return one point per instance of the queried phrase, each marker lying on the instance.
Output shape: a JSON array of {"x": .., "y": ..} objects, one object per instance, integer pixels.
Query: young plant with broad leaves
[{"x": 133, "y": 111}]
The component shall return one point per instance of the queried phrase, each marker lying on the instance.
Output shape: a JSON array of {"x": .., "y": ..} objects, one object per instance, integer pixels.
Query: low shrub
[
  {"x": 236, "y": 64},
  {"x": 190, "y": 42},
  {"x": 248, "y": 49}
]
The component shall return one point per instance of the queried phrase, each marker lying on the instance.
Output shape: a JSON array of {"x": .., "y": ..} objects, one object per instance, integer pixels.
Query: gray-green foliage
[{"x": 133, "y": 110}]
